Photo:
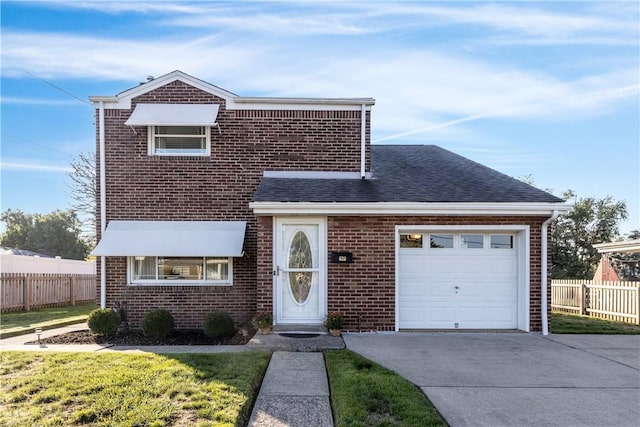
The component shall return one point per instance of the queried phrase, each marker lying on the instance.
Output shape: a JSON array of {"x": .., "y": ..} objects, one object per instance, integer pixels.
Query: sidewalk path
[{"x": 294, "y": 392}]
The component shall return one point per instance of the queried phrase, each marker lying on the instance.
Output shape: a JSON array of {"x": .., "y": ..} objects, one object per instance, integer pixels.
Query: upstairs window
[{"x": 179, "y": 140}]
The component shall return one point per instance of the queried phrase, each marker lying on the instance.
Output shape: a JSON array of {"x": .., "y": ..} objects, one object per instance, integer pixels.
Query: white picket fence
[{"x": 619, "y": 300}]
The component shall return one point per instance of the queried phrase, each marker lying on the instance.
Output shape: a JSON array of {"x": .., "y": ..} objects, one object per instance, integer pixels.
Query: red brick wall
[
  {"x": 216, "y": 187},
  {"x": 364, "y": 291}
]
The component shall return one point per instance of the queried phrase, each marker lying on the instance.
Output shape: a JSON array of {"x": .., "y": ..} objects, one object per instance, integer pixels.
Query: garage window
[
  {"x": 411, "y": 240},
  {"x": 441, "y": 241},
  {"x": 501, "y": 241},
  {"x": 471, "y": 241}
]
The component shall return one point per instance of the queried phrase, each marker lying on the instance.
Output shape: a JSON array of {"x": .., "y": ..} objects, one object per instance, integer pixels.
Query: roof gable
[{"x": 232, "y": 101}]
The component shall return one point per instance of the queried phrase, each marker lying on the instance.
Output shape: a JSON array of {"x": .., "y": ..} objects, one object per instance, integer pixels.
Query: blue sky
[{"x": 546, "y": 89}]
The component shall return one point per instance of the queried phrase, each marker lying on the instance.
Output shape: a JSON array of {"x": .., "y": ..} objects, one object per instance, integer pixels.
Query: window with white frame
[
  {"x": 180, "y": 270},
  {"x": 179, "y": 140}
]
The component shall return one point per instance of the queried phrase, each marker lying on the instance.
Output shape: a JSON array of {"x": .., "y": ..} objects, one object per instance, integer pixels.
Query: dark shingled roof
[{"x": 408, "y": 173}]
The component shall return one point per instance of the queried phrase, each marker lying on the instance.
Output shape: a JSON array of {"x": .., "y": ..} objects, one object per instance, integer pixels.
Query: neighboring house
[
  {"x": 215, "y": 201},
  {"x": 622, "y": 253},
  {"x": 24, "y": 261}
]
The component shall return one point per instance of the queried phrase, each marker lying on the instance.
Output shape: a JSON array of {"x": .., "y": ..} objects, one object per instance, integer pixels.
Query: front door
[{"x": 300, "y": 266}]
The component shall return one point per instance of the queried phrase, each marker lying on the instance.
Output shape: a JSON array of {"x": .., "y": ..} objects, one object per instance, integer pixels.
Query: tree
[
  {"x": 589, "y": 221},
  {"x": 55, "y": 234},
  {"x": 84, "y": 192}
]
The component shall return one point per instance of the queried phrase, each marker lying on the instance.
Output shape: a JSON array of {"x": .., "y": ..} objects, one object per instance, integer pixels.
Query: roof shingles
[{"x": 409, "y": 173}]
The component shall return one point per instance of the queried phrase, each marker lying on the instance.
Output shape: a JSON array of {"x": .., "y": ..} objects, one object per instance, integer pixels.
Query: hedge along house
[{"x": 213, "y": 201}]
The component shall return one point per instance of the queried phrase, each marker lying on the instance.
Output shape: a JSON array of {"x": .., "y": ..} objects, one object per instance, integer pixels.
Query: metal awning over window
[
  {"x": 173, "y": 115},
  {"x": 172, "y": 238}
]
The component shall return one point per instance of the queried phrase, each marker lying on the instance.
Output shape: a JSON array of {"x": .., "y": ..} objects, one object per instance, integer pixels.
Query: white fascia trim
[
  {"x": 306, "y": 104},
  {"x": 123, "y": 100},
  {"x": 232, "y": 101},
  {"x": 391, "y": 208},
  {"x": 632, "y": 246},
  {"x": 312, "y": 175}
]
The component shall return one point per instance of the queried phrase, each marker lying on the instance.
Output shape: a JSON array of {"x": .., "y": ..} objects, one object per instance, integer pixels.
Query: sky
[{"x": 544, "y": 90}]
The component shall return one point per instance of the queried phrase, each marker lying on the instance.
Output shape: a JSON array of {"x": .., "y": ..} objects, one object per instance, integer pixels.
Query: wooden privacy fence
[
  {"x": 617, "y": 300},
  {"x": 21, "y": 291}
]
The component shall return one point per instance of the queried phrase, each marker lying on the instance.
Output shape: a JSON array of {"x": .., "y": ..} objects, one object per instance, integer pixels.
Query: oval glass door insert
[{"x": 300, "y": 257}]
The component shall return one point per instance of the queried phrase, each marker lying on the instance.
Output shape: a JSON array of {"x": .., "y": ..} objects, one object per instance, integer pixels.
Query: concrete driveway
[{"x": 516, "y": 379}]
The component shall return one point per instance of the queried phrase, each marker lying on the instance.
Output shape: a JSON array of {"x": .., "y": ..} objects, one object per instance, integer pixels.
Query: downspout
[
  {"x": 363, "y": 140},
  {"x": 103, "y": 206},
  {"x": 543, "y": 273}
]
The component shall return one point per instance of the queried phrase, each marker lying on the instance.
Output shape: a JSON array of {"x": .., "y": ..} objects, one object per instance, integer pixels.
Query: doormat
[{"x": 300, "y": 335}]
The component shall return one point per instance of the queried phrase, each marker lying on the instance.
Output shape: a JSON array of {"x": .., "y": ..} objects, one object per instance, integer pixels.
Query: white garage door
[{"x": 458, "y": 281}]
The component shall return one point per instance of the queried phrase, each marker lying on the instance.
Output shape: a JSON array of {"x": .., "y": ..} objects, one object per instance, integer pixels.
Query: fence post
[
  {"x": 638, "y": 305},
  {"x": 583, "y": 298},
  {"x": 72, "y": 290},
  {"x": 26, "y": 292}
]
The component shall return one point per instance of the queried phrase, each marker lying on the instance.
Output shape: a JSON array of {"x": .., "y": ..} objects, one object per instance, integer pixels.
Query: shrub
[
  {"x": 158, "y": 323},
  {"x": 219, "y": 324},
  {"x": 104, "y": 321}
]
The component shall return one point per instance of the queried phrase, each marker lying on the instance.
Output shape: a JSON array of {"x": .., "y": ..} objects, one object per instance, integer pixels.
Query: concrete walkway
[{"x": 294, "y": 392}]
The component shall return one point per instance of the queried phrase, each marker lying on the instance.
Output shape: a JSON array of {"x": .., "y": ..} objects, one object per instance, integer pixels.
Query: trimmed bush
[
  {"x": 104, "y": 321},
  {"x": 219, "y": 324},
  {"x": 158, "y": 323}
]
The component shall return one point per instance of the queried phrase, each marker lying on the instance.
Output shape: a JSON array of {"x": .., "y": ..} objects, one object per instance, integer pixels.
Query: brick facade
[
  {"x": 216, "y": 187},
  {"x": 364, "y": 291}
]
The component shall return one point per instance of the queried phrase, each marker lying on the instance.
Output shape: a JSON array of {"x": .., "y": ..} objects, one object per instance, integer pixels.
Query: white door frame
[
  {"x": 522, "y": 233},
  {"x": 322, "y": 264}
]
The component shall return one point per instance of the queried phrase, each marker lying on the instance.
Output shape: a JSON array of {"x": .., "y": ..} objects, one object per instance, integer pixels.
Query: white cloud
[
  {"x": 32, "y": 166},
  {"x": 517, "y": 22},
  {"x": 416, "y": 89},
  {"x": 36, "y": 101}
]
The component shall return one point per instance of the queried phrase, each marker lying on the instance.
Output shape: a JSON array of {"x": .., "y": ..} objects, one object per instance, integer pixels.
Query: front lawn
[
  {"x": 129, "y": 389},
  {"x": 563, "y": 323},
  {"x": 25, "y": 322},
  {"x": 365, "y": 394}
]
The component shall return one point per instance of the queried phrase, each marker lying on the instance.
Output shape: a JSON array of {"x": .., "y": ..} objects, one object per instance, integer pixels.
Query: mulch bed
[{"x": 137, "y": 338}]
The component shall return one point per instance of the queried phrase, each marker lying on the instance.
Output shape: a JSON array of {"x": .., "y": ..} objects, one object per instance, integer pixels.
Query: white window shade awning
[
  {"x": 172, "y": 238},
  {"x": 173, "y": 115}
]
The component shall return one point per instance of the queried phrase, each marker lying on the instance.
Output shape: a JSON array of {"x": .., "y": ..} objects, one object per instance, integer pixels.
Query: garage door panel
[
  {"x": 412, "y": 315},
  {"x": 413, "y": 289},
  {"x": 438, "y": 289},
  {"x": 412, "y": 264},
  {"x": 440, "y": 265},
  {"x": 470, "y": 288},
  {"x": 467, "y": 266},
  {"x": 507, "y": 266}
]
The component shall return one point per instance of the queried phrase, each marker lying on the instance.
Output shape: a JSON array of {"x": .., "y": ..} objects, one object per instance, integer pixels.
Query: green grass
[
  {"x": 366, "y": 394},
  {"x": 12, "y": 324},
  {"x": 55, "y": 389},
  {"x": 562, "y": 323}
]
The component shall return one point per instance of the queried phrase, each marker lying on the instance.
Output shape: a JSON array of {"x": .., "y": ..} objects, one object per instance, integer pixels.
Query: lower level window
[{"x": 180, "y": 270}]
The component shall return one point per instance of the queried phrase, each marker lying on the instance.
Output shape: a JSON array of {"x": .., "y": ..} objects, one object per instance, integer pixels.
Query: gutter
[
  {"x": 103, "y": 205},
  {"x": 543, "y": 272},
  {"x": 363, "y": 139}
]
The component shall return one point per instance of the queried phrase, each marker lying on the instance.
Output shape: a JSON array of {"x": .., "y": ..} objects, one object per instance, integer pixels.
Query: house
[
  {"x": 625, "y": 253},
  {"x": 209, "y": 200},
  {"x": 25, "y": 261}
]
